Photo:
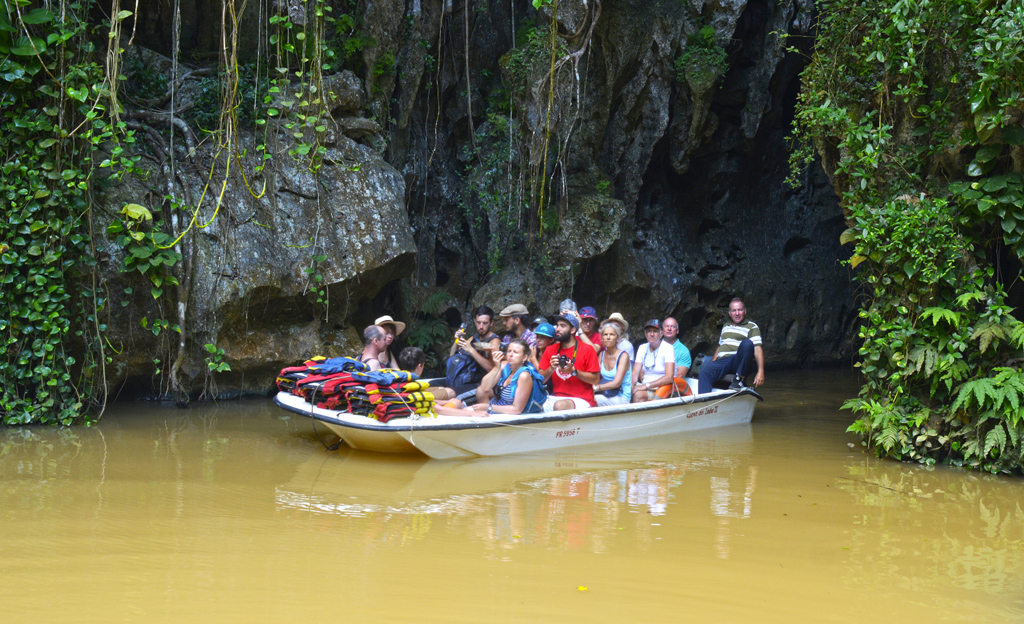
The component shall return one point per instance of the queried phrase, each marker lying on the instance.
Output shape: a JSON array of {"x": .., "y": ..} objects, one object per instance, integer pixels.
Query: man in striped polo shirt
[{"x": 739, "y": 352}]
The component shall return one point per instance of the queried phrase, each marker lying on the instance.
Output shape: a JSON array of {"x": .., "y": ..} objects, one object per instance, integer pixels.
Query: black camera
[
  {"x": 504, "y": 347},
  {"x": 563, "y": 361}
]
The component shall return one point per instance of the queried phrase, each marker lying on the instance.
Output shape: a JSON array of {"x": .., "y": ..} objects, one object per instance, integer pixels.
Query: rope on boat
[
  {"x": 412, "y": 426},
  {"x": 312, "y": 407}
]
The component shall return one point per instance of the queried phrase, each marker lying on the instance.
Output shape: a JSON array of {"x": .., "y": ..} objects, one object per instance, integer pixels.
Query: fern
[
  {"x": 978, "y": 392},
  {"x": 922, "y": 359},
  {"x": 988, "y": 332},
  {"x": 966, "y": 298},
  {"x": 995, "y": 440},
  {"x": 1017, "y": 335},
  {"x": 942, "y": 314}
]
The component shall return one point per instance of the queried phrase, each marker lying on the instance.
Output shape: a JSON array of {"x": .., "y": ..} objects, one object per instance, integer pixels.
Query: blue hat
[
  {"x": 588, "y": 312},
  {"x": 570, "y": 319},
  {"x": 655, "y": 323},
  {"x": 545, "y": 329}
]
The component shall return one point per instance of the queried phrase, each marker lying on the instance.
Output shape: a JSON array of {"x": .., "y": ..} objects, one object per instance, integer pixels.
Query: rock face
[
  {"x": 669, "y": 199},
  {"x": 698, "y": 210},
  {"x": 277, "y": 274}
]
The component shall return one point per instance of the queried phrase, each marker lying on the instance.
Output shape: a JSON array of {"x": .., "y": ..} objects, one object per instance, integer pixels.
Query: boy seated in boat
[{"x": 413, "y": 359}]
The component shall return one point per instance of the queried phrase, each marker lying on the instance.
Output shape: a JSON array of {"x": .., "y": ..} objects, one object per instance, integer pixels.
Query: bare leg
[{"x": 641, "y": 396}]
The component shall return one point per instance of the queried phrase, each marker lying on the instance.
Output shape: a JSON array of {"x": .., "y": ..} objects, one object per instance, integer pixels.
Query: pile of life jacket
[{"x": 345, "y": 384}]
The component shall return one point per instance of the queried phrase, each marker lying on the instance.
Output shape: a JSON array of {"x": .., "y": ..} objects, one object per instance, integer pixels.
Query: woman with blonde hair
[{"x": 615, "y": 386}]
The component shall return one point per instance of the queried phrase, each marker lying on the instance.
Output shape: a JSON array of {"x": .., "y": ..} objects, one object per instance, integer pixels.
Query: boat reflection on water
[{"x": 574, "y": 500}]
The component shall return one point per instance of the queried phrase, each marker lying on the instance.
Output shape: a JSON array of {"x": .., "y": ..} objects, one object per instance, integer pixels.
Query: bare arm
[
  {"x": 585, "y": 339},
  {"x": 670, "y": 373},
  {"x": 552, "y": 363},
  {"x": 637, "y": 373},
  {"x": 587, "y": 378},
  {"x": 492, "y": 376},
  {"x": 523, "y": 389},
  {"x": 759, "y": 357}
]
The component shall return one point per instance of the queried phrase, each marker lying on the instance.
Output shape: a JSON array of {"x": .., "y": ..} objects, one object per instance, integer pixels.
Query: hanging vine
[{"x": 59, "y": 108}]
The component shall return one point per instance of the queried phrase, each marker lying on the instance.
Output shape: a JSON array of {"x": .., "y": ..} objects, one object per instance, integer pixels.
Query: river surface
[{"x": 236, "y": 513}]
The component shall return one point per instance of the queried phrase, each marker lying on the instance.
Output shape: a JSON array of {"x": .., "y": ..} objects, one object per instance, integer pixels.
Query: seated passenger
[
  {"x": 513, "y": 386},
  {"x": 615, "y": 387},
  {"x": 477, "y": 348},
  {"x": 537, "y": 322},
  {"x": 573, "y": 370},
  {"x": 739, "y": 352},
  {"x": 624, "y": 344},
  {"x": 670, "y": 331},
  {"x": 545, "y": 333},
  {"x": 374, "y": 342},
  {"x": 588, "y": 333},
  {"x": 655, "y": 364},
  {"x": 516, "y": 317},
  {"x": 393, "y": 328},
  {"x": 413, "y": 359}
]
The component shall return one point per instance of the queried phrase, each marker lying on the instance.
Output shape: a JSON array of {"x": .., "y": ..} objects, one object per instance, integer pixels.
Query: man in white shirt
[{"x": 655, "y": 364}]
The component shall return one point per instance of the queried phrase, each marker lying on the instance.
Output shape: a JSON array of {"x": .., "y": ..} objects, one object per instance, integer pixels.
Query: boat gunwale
[{"x": 546, "y": 417}]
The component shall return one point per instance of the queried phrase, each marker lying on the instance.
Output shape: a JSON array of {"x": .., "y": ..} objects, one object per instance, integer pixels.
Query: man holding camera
[{"x": 573, "y": 370}]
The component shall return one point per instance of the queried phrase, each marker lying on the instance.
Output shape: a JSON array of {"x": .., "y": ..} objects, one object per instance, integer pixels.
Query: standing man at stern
[{"x": 739, "y": 352}]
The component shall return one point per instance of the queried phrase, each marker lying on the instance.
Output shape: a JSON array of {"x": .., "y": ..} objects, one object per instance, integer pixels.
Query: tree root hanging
[{"x": 163, "y": 117}]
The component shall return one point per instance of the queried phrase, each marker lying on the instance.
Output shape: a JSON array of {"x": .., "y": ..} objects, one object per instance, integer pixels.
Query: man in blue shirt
[{"x": 670, "y": 334}]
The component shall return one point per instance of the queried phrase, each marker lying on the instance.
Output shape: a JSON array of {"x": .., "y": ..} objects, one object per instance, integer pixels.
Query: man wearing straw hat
[{"x": 391, "y": 328}]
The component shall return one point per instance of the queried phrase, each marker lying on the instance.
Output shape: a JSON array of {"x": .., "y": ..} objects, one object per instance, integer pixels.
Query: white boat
[{"x": 448, "y": 437}]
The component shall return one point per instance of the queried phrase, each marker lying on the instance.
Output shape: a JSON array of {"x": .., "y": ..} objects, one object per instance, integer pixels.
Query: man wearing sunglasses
[{"x": 655, "y": 364}]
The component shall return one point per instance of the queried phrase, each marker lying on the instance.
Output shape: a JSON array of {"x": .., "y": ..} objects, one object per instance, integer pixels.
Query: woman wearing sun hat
[{"x": 392, "y": 328}]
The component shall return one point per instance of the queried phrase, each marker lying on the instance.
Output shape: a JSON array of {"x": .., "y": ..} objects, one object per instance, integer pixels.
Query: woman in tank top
[{"x": 615, "y": 385}]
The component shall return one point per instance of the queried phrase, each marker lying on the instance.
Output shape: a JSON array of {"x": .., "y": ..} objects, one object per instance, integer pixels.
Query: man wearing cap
[
  {"x": 516, "y": 317},
  {"x": 589, "y": 333},
  {"x": 655, "y": 364},
  {"x": 739, "y": 352},
  {"x": 392, "y": 328},
  {"x": 572, "y": 368},
  {"x": 624, "y": 344}
]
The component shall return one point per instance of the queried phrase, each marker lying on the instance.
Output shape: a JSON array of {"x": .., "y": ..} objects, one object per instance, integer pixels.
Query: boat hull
[{"x": 447, "y": 437}]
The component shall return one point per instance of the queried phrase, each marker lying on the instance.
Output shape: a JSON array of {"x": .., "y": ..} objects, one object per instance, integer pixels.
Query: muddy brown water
[{"x": 236, "y": 513}]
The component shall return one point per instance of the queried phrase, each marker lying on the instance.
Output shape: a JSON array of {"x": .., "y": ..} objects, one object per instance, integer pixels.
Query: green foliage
[
  {"x": 702, "y": 62},
  {"x": 429, "y": 331},
  {"x": 54, "y": 118},
  {"x": 493, "y": 189},
  {"x": 530, "y": 58},
  {"x": 215, "y": 361},
  {"x": 928, "y": 209}
]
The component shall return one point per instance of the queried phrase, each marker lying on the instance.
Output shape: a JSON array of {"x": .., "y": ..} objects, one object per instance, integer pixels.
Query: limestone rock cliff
[{"x": 665, "y": 197}]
